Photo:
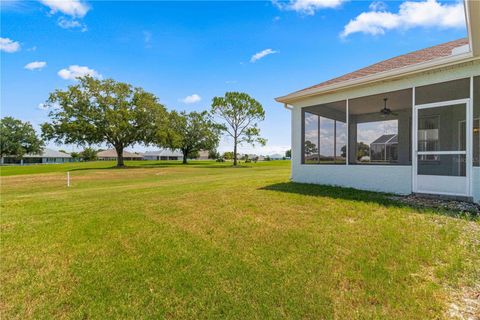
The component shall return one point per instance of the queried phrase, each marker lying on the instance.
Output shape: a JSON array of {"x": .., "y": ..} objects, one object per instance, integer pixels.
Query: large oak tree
[
  {"x": 190, "y": 133},
  {"x": 103, "y": 111},
  {"x": 240, "y": 113},
  {"x": 18, "y": 138}
]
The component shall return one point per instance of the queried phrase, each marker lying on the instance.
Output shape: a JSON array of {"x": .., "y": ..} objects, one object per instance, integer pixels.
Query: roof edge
[{"x": 381, "y": 76}]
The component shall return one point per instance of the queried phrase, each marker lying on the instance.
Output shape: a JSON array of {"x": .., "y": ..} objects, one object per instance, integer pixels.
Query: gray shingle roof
[
  {"x": 48, "y": 153},
  {"x": 390, "y": 138},
  {"x": 111, "y": 153},
  {"x": 164, "y": 153}
]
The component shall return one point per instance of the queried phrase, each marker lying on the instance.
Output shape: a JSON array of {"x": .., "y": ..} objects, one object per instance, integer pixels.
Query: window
[
  {"x": 428, "y": 136},
  {"x": 380, "y": 129},
  {"x": 377, "y": 142},
  {"x": 340, "y": 142},
  {"x": 310, "y": 144},
  {"x": 442, "y": 128},
  {"x": 327, "y": 140},
  {"x": 325, "y": 134},
  {"x": 32, "y": 160}
]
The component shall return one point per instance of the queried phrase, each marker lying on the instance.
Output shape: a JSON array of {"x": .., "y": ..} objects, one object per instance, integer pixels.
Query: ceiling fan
[{"x": 386, "y": 111}]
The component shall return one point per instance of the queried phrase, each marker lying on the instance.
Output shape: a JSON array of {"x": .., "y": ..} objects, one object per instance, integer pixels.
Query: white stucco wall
[
  {"x": 394, "y": 179},
  {"x": 476, "y": 184}
]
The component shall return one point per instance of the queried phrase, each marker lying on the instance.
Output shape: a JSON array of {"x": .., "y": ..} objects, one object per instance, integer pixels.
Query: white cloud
[
  {"x": 71, "y": 24},
  {"x": 311, "y": 119},
  {"x": 73, "y": 8},
  {"x": 308, "y": 7},
  {"x": 9, "y": 45},
  {"x": 371, "y": 131},
  {"x": 35, "y": 65},
  {"x": 259, "y": 55},
  {"x": 75, "y": 71},
  {"x": 428, "y": 13},
  {"x": 194, "y": 98},
  {"x": 378, "y": 6}
]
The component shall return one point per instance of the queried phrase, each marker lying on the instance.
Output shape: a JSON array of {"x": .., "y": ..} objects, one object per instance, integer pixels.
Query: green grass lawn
[{"x": 205, "y": 240}]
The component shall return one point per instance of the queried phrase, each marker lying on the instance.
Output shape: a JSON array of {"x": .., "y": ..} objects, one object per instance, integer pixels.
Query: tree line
[{"x": 94, "y": 112}]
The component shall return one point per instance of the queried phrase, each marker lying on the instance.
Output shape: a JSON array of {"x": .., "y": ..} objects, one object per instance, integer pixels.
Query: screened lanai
[{"x": 371, "y": 119}]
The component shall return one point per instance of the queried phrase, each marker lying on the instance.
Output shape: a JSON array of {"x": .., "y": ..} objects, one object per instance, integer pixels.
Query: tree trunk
[
  {"x": 235, "y": 151},
  {"x": 185, "y": 154},
  {"x": 120, "y": 157}
]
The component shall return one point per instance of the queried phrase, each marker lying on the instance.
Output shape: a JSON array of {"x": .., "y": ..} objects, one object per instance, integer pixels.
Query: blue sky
[{"x": 188, "y": 52}]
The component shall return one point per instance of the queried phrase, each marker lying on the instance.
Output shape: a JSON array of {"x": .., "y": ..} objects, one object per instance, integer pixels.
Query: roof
[
  {"x": 111, "y": 153},
  {"x": 386, "y": 138},
  {"x": 48, "y": 153},
  {"x": 443, "y": 50},
  {"x": 164, "y": 153}
]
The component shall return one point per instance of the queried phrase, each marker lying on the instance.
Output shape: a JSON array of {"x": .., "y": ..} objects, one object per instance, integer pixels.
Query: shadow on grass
[{"x": 384, "y": 199}]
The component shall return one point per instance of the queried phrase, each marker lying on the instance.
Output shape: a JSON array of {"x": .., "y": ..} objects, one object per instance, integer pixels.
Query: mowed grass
[{"x": 205, "y": 240}]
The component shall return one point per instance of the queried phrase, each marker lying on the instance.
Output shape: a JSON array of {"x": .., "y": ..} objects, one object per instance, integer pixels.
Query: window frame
[
  {"x": 438, "y": 142},
  {"x": 378, "y": 162},
  {"x": 318, "y": 162}
]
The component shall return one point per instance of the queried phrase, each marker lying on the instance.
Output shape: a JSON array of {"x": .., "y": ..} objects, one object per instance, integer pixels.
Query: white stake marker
[{"x": 68, "y": 178}]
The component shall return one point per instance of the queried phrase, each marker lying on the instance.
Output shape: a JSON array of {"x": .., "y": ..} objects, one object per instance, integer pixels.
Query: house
[
  {"x": 276, "y": 156},
  {"x": 419, "y": 113},
  {"x": 163, "y": 154},
  {"x": 253, "y": 156},
  {"x": 250, "y": 156},
  {"x": 45, "y": 157},
  {"x": 111, "y": 155},
  {"x": 203, "y": 155},
  {"x": 384, "y": 149}
]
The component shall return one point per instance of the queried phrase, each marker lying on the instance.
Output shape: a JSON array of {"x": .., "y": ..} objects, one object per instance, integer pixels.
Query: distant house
[
  {"x": 203, "y": 155},
  {"x": 45, "y": 157},
  {"x": 111, "y": 155},
  {"x": 163, "y": 154},
  {"x": 276, "y": 156},
  {"x": 251, "y": 156},
  {"x": 385, "y": 148}
]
